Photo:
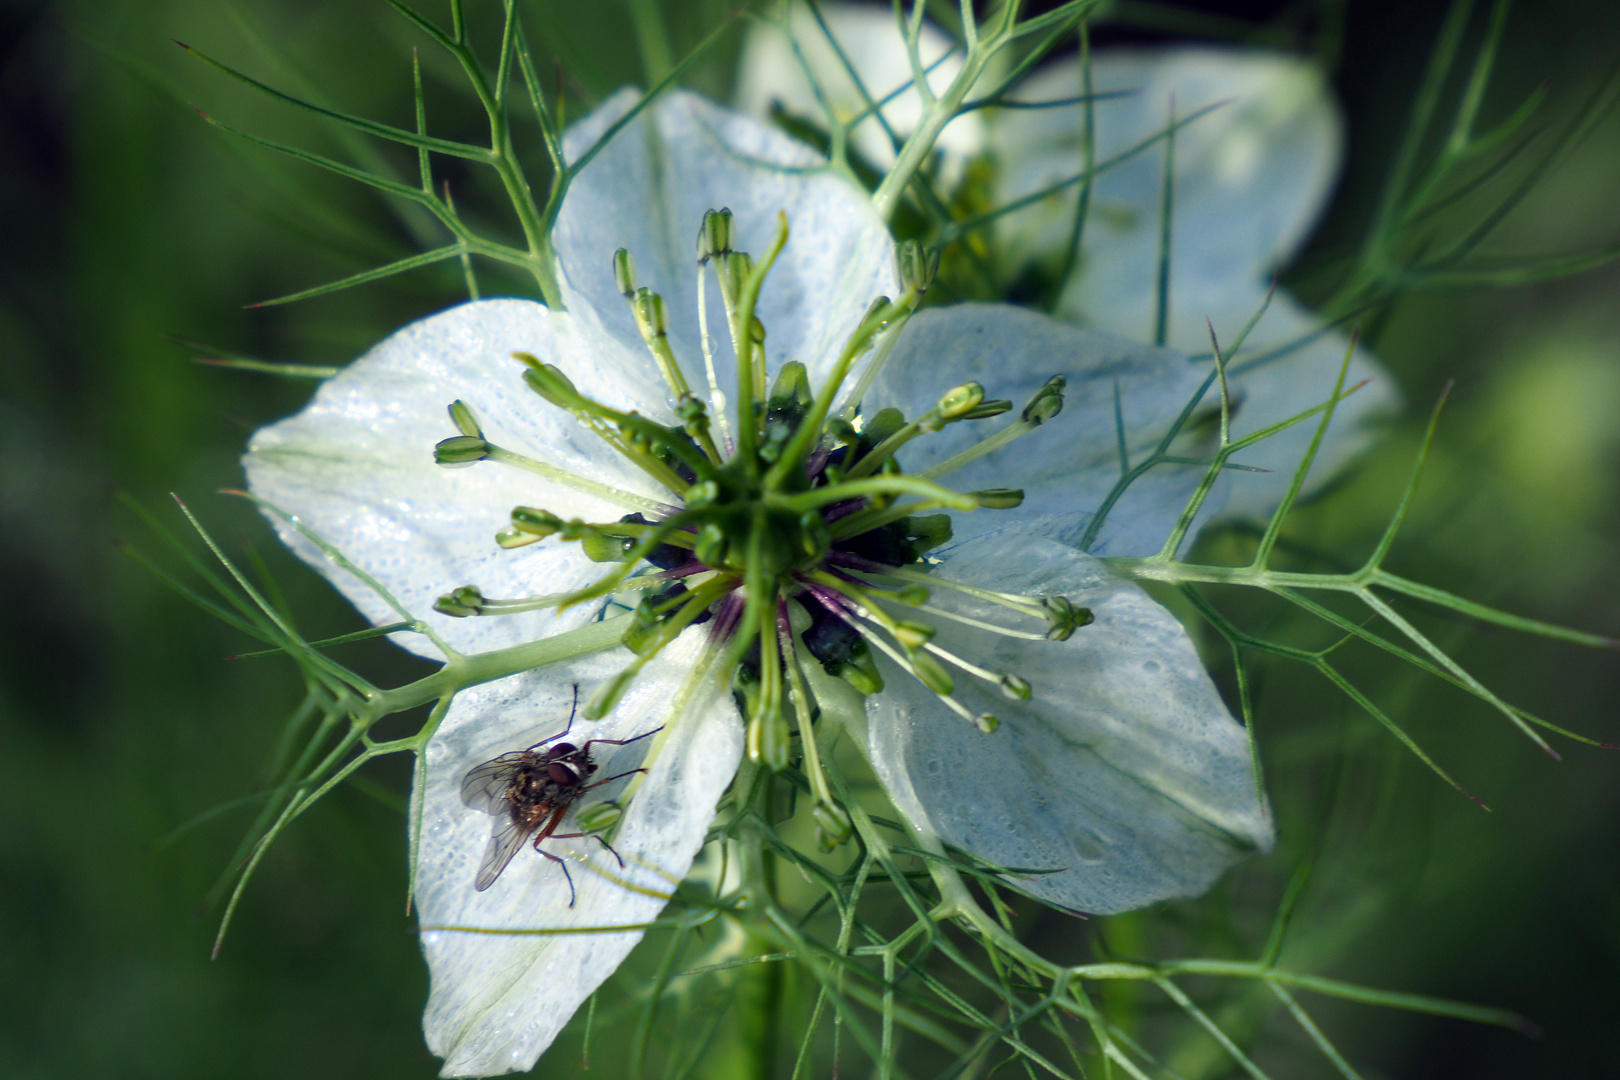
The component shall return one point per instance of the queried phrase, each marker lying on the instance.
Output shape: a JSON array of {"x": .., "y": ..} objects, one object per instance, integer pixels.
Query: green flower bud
[
  {"x": 624, "y": 272},
  {"x": 461, "y": 602},
  {"x": 462, "y": 416},
  {"x": 714, "y": 238},
  {"x": 460, "y": 451}
]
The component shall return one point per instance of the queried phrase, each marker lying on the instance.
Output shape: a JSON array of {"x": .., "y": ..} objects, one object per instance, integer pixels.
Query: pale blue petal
[
  {"x": 497, "y": 1001},
  {"x": 1250, "y": 177},
  {"x": 356, "y": 467},
  {"x": 1124, "y": 774},
  {"x": 1068, "y": 466}
]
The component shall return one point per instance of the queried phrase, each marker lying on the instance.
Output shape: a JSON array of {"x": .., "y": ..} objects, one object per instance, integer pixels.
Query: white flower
[{"x": 1119, "y": 773}]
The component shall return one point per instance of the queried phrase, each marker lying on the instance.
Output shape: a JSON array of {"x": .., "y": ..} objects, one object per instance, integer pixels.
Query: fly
[{"x": 529, "y": 792}]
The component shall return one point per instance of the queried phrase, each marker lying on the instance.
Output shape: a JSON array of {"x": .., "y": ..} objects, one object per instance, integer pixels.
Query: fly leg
[
  {"x": 560, "y": 861},
  {"x": 595, "y": 836}
]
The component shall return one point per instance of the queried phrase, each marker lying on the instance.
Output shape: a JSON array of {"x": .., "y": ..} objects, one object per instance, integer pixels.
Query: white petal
[
  {"x": 498, "y": 1001},
  {"x": 1251, "y": 176},
  {"x": 356, "y": 467},
  {"x": 648, "y": 190},
  {"x": 1124, "y": 772},
  {"x": 770, "y": 74},
  {"x": 1068, "y": 466}
]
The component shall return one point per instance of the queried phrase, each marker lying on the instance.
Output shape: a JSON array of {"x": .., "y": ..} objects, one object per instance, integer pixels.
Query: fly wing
[
  {"x": 503, "y": 844},
  {"x": 485, "y": 786}
]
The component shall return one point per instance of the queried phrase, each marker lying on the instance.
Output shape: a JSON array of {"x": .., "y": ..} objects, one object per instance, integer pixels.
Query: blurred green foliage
[{"x": 124, "y": 220}]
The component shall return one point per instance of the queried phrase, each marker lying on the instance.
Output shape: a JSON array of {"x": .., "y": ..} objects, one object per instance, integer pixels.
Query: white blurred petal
[
  {"x": 498, "y": 1000},
  {"x": 769, "y": 73},
  {"x": 648, "y": 190},
  {"x": 1124, "y": 772},
  {"x": 1251, "y": 176},
  {"x": 356, "y": 466}
]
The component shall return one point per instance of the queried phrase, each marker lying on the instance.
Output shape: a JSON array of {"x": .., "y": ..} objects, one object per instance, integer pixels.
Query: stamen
[
  {"x": 1047, "y": 403},
  {"x": 694, "y": 604},
  {"x": 717, "y": 397},
  {"x": 464, "y": 450},
  {"x": 955, "y": 405}
]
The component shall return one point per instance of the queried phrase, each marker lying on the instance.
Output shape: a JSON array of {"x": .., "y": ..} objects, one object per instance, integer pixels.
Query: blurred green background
[{"x": 125, "y": 220}]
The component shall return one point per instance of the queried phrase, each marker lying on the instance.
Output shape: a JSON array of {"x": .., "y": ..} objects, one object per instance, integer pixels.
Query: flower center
[{"x": 794, "y": 533}]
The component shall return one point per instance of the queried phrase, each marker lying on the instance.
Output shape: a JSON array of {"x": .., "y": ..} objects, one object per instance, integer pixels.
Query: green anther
[
  {"x": 843, "y": 431},
  {"x": 460, "y": 603},
  {"x": 815, "y": 537},
  {"x": 709, "y": 547},
  {"x": 931, "y": 674},
  {"x": 988, "y": 409},
  {"x": 714, "y": 238},
  {"x": 859, "y": 671},
  {"x": 999, "y": 498},
  {"x": 651, "y": 319},
  {"x": 735, "y": 268},
  {"x": 959, "y": 401},
  {"x": 927, "y": 531},
  {"x": 986, "y": 723},
  {"x": 917, "y": 265},
  {"x": 912, "y": 595},
  {"x": 790, "y": 398},
  {"x": 460, "y": 451},
  {"x": 1015, "y": 688},
  {"x": 833, "y": 826},
  {"x": 700, "y": 495},
  {"x": 548, "y": 381},
  {"x": 513, "y": 537},
  {"x": 756, "y": 330},
  {"x": 770, "y": 741},
  {"x": 462, "y": 416},
  {"x": 600, "y": 547},
  {"x": 884, "y": 422},
  {"x": 624, "y": 272},
  {"x": 599, "y": 817},
  {"x": 536, "y": 522},
  {"x": 913, "y": 635},
  {"x": 1047, "y": 402},
  {"x": 1063, "y": 617}
]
